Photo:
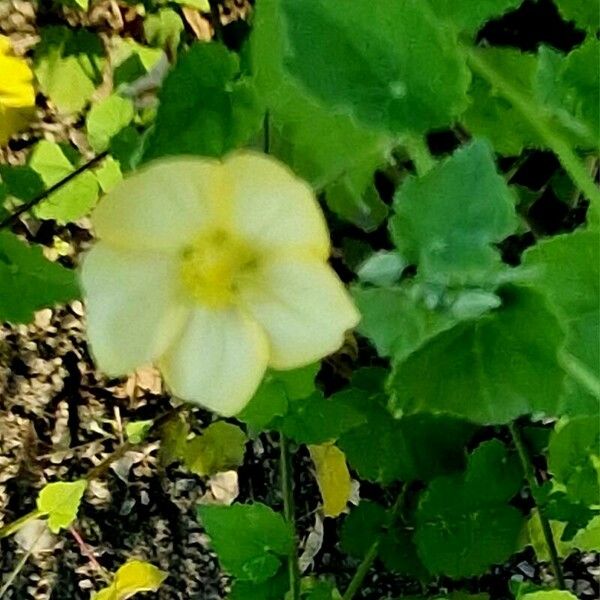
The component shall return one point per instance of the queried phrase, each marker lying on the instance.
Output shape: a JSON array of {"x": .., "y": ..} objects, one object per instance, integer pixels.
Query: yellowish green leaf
[
  {"x": 133, "y": 577},
  {"x": 333, "y": 478},
  {"x": 60, "y": 501}
]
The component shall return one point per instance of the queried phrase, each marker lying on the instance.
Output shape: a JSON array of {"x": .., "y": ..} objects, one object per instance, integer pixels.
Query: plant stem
[
  {"x": 533, "y": 485},
  {"x": 578, "y": 371},
  {"x": 87, "y": 552},
  {"x": 19, "y": 567},
  {"x": 16, "y": 525},
  {"x": 29, "y": 205},
  {"x": 369, "y": 558},
  {"x": 420, "y": 155},
  {"x": 538, "y": 121},
  {"x": 287, "y": 489}
]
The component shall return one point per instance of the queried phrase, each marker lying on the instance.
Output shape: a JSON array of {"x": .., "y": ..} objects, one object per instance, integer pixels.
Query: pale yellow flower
[
  {"x": 17, "y": 96},
  {"x": 214, "y": 271}
]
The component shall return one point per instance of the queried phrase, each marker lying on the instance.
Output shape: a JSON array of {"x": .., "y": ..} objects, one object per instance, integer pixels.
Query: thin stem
[
  {"x": 419, "y": 153},
  {"x": 287, "y": 490},
  {"x": 369, "y": 558},
  {"x": 530, "y": 112},
  {"x": 29, "y": 205},
  {"x": 87, "y": 552},
  {"x": 19, "y": 566},
  {"x": 578, "y": 371},
  {"x": 533, "y": 485},
  {"x": 16, "y": 525}
]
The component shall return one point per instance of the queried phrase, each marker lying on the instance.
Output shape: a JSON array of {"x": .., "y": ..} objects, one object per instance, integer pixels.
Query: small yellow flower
[
  {"x": 17, "y": 96},
  {"x": 214, "y": 271}
]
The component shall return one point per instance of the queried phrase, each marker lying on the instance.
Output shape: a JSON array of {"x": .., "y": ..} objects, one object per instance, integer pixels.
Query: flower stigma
[{"x": 212, "y": 266}]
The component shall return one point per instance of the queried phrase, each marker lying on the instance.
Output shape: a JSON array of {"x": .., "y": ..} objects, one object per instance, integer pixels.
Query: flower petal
[
  {"x": 219, "y": 360},
  {"x": 133, "y": 309},
  {"x": 273, "y": 208},
  {"x": 303, "y": 307},
  {"x": 162, "y": 206}
]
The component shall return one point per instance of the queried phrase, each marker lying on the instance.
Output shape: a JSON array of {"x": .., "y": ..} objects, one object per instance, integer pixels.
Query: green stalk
[
  {"x": 16, "y": 525},
  {"x": 369, "y": 558},
  {"x": 287, "y": 490},
  {"x": 580, "y": 373},
  {"x": 574, "y": 167},
  {"x": 533, "y": 485}
]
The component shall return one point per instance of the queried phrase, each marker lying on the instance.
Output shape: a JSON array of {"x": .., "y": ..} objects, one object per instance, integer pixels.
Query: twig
[
  {"x": 419, "y": 153},
  {"x": 533, "y": 485},
  {"x": 29, "y": 205},
  {"x": 287, "y": 489},
  {"x": 87, "y": 552}
]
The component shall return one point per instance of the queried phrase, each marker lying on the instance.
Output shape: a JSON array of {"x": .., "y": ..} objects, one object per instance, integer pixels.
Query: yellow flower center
[{"x": 212, "y": 266}]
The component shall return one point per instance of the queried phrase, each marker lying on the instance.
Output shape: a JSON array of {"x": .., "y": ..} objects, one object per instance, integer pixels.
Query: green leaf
[
  {"x": 489, "y": 370},
  {"x": 106, "y": 119},
  {"x": 68, "y": 66},
  {"x": 489, "y": 113},
  {"x": 464, "y": 523},
  {"x": 382, "y": 268},
  {"x": 136, "y": 431},
  {"x": 60, "y": 501},
  {"x": 398, "y": 553},
  {"x": 362, "y": 527},
  {"x": 274, "y": 588},
  {"x": 173, "y": 440},
  {"x": 585, "y": 14},
  {"x": 298, "y": 383},
  {"x": 447, "y": 221},
  {"x": 21, "y": 181},
  {"x": 29, "y": 281},
  {"x": 549, "y": 595},
  {"x": 316, "y": 420},
  {"x": 568, "y": 85},
  {"x": 250, "y": 539},
  {"x": 133, "y": 577},
  {"x": 268, "y": 403},
  {"x": 220, "y": 447},
  {"x": 163, "y": 29},
  {"x": 574, "y": 458},
  {"x": 202, "y": 5},
  {"x": 567, "y": 270},
  {"x": 72, "y": 201},
  {"x": 470, "y": 15},
  {"x": 219, "y": 107},
  {"x": 131, "y": 60},
  {"x": 312, "y": 588},
  {"x": 385, "y": 83},
  {"x": 367, "y": 446},
  {"x": 396, "y": 320},
  {"x": 108, "y": 174}
]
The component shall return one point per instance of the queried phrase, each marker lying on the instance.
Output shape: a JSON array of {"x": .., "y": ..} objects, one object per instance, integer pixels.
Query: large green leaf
[
  {"x": 447, "y": 221},
  {"x": 68, "y": 66},
  {"x": 29, "y": 282},
  {"x": 464, "y": 522},
  {"x": 106, "y": 119},
  {"x": 73, "y": 200},
  {"x": 374, "y": 60},
  {"x": 250, "y": 539},
  {"x": 489, "y": 370},
  {"x": 567, "y": 270},
  {"x": 385, "y": 449},
  {"x": 206, "y": 106},
  {"x": 329, "y": 149}
]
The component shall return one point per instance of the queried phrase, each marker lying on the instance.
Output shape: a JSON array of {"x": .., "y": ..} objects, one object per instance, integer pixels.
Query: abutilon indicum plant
[{"x": 329, "y": 231}]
